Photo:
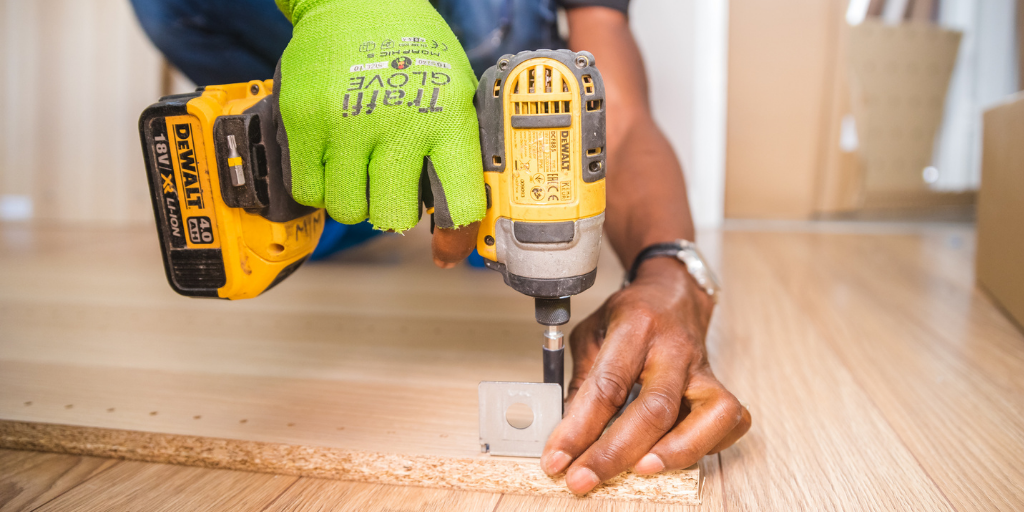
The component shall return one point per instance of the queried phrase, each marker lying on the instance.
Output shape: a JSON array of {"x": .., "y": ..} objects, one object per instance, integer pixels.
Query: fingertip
[
  {"x": 649, "y": 465},
  {"x": 450, "y": 246},
  {"x": 444, "y": 264},
  {"x": 554, "y": 462},
  {"x": 581, "y": 480}
]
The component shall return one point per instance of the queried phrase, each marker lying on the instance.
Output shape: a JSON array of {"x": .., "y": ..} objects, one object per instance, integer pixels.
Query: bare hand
[{"x": 651, "y": 332}]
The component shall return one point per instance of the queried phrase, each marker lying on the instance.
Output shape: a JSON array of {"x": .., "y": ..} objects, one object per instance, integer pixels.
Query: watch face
[{"x": 694, "y": 261}]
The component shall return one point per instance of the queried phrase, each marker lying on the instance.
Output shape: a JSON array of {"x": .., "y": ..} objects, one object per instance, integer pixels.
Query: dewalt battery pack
[{"x": 227, "y": 225}]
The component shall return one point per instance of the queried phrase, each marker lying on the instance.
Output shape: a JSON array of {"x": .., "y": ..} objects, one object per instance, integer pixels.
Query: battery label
[
  {"x": 542, "y": 167},
  {"x": 161, "y": 151},
  {"x": 193, "y": 182}
]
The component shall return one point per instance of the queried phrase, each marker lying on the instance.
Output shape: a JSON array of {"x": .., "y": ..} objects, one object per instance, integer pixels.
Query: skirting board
[{"x": 482, "y": 475}]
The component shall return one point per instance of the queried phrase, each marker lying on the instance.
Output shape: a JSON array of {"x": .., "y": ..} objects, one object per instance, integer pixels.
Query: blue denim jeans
[{"x": 229, "y": 41}]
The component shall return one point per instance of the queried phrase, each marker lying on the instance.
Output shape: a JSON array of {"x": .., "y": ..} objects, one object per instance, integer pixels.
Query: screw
[
  {"x": 582, "y": 62},
  {"x": 595, "y": 166},
  {"x": 502, "y": 64},
  {"x": 489, "y": 240},
  {"x": 255, "y": 89}
]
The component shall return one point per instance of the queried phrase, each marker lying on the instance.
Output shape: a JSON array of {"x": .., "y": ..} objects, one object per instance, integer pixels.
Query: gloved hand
[{"x": 373, "y": 97}]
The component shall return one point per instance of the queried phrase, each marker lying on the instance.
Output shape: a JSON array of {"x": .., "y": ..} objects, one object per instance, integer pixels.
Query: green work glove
[{"x": 375, "y": 96}]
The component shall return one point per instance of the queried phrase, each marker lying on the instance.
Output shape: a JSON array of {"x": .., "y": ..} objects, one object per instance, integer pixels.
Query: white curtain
[{"x": 985, "y": 74}]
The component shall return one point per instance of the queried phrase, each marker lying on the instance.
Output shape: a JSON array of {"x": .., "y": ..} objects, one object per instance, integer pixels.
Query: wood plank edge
[{"x": 478, "y": 475}]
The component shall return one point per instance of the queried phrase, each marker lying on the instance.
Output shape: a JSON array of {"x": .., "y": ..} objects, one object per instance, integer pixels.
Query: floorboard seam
[
  {"x": 498, "y": 503},
  {"x": 283, "y": 491},
  {"x": 90, "y": 477},
  {"x": 881, "y": 414},
  {"x": 831, "y": 346},
  {"x": 721, "y": 483}
]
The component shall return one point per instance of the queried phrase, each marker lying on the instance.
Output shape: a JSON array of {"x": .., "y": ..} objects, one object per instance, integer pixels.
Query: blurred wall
[
  {"x": 75, "y": 75},
  {"x": 684, "y": 46}
]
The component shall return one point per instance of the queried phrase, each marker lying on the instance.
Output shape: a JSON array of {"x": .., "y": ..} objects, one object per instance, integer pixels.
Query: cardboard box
[
  {"x": 781, "y": 55},
  {"x": 1000, "y": 256},
  {"x": 891, "y": 80},
  {"x": 796, "y": 71},
  {"x": 899, "y": 75}
]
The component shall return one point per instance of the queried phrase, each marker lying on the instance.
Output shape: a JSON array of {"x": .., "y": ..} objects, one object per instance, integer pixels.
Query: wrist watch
[{"x": 686, "y": 251}]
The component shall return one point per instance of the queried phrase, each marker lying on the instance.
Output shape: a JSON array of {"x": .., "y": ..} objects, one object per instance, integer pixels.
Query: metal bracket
[{"x": 498, "y": 437}]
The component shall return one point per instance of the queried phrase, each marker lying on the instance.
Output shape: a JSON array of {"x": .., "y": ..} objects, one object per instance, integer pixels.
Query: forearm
[
  {"x": 646, "y": 193},
  {"x": 647, "y": 200}
]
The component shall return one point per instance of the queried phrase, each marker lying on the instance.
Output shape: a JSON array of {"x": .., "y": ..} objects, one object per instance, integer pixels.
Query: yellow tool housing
[
  {"x": 218, "y": 238},
  {"x": 542, "y": 130}
]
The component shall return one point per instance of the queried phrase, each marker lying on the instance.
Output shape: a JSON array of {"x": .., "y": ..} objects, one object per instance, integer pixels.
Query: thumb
[
  {"x": 456, "y": 175},
  {"x": 585, "y": 343},
  {"x": 451, "y": 246}
]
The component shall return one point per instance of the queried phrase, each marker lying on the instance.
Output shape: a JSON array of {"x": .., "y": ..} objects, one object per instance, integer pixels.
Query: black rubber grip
[{"x": 552, "y": 311}]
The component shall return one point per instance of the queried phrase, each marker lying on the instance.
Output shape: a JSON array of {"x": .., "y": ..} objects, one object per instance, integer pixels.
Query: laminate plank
[
  {"x": 133, "y": 486},
  {"x": 30, "y": 479},
  {"x": 311, "y": 494},
  {"x": 817, "y": 441},
  {"x": 941, "y": 364}
]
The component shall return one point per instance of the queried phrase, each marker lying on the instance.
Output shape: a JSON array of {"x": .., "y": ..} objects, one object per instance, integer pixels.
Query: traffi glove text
[{"x": 372, "y": 96}]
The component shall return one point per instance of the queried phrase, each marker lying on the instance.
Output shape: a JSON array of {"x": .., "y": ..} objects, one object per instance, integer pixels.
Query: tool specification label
[
  {"x": 542, "y": 167},
  {"x": 195, "y": 195},
  {"x": 161, "y": 151}
]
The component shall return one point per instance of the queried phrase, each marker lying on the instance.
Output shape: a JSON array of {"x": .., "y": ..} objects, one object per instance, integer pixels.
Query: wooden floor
[{"x": 879, "y": 377}]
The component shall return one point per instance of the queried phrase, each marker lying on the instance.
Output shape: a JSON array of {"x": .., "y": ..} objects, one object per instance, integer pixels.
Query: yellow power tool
[{"x": 542, "y": 133}]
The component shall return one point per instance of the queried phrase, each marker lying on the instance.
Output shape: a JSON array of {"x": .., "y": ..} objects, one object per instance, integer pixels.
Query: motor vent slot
[{"x": 542, "y": 91}]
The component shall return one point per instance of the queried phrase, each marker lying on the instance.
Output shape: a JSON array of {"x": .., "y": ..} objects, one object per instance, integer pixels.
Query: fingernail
[
  {"x": 555, "y": 463},
  {"x": 581, "y": 480},
  {"x": 649, "y": 465},
  {"x": 443, "y": 264}
]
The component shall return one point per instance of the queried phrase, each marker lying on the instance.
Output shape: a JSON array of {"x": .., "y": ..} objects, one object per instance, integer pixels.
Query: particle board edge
[{"x": 479, "y": 475}]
